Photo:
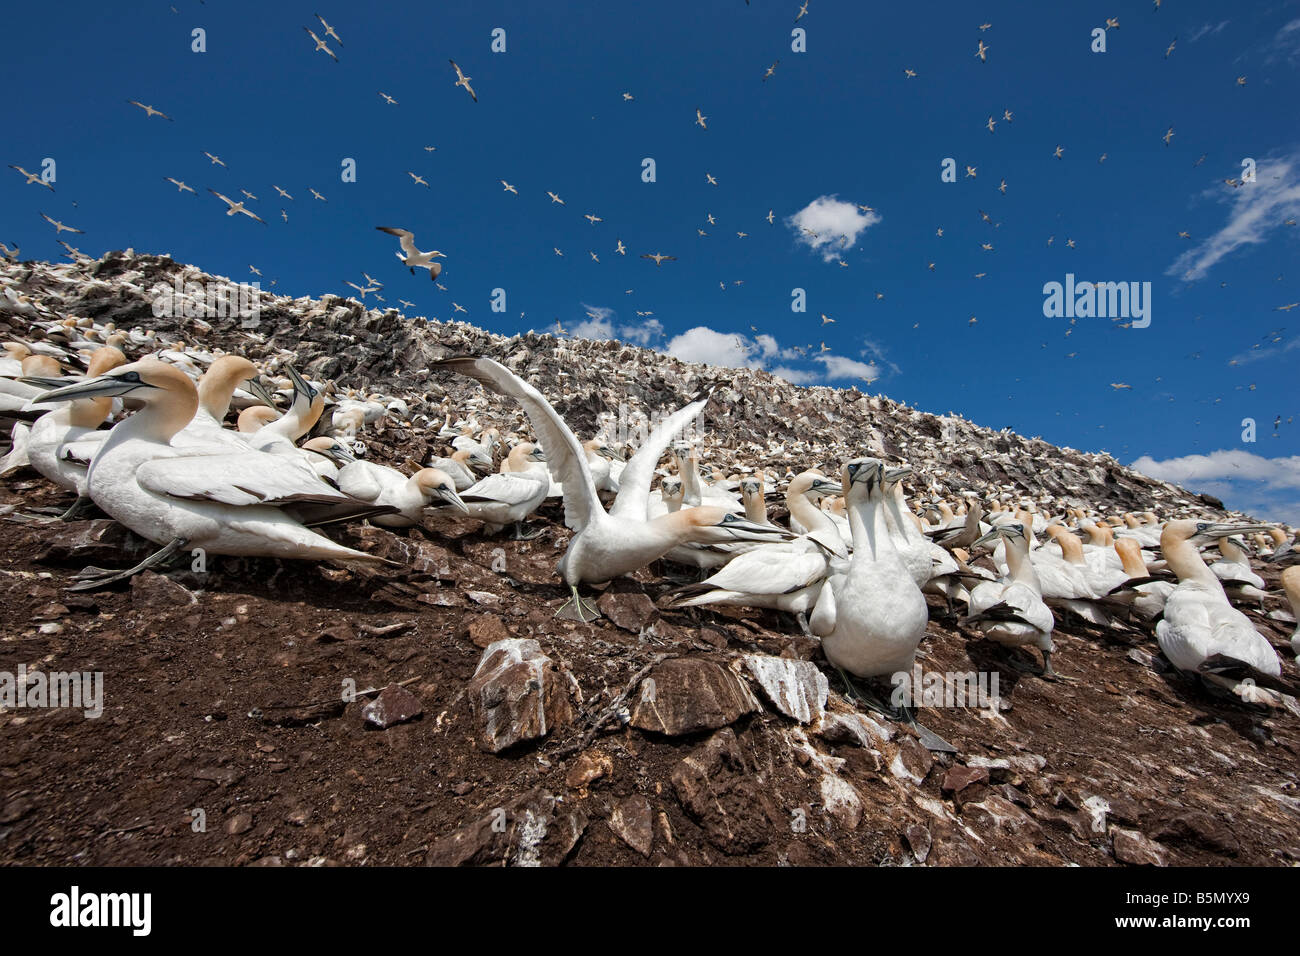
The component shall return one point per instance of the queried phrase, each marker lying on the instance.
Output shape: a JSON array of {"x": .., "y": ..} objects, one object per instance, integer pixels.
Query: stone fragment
[
  {"x": 516, "y": 694},
  {"x": 689, "y": 694}
]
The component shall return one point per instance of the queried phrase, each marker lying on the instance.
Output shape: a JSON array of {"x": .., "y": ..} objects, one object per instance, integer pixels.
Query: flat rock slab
[
  {"x": 516, "y": 694},
  {"x": 394, "y": 705},
  {"x": 633, "y": 823},
  {"x": 717, "y": 788},
  {"x": 795, "y": 688},
  {"x": 689, "y": 694},
  {"x": 534, "y": 829}
]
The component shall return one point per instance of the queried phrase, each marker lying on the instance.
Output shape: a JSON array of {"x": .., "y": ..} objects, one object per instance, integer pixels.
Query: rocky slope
[{"x": 503, "y": 736}]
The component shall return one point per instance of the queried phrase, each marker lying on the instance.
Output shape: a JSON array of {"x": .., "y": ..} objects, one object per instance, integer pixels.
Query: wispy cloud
[
  {"x": 1207, "y": 28},
  {"x": 1256, "y": 210},
  {"x": 1285, "y": 45},
  {"x": 829, "y": 225},
  {"x": 839, "y": 368}
]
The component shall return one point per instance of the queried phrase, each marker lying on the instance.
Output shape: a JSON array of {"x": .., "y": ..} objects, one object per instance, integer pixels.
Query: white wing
[
  {"x": 565, "y": 457},
  {"x": 508, "y": 488},
  {"x": 770, "y": 570},
  {"x": 634, "y": 482},
  {"x": 361, "y": 479},
  {"x": 251, "y": 478}
]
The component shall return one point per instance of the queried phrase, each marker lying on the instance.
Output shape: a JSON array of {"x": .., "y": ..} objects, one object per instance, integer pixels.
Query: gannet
[
  {"x": 786, "y": 577},
  {"x": 1291, "y": 585},
  {"x": 459, "y": 468},
  {"x": 320, "y": 44},
  {"x": 236, "y": 504},
  {"x": 1151, "y": 595},
  {"x": 237, "y": 207},
  {"x": 1199, "y": 624},
  {"x": 513, "y": 494},
  {"x": 1011, "y": 611},
  {"x": 216, "y": 389},
  {"x": 34, "y": 179},
  {"x": 414, "y": 257},
  {"x": 1234, "y": 570},
  {"x": 463, "y": 80},
  {"x": 73, "y": 423},
  {"x": 388, "y": 486},
  {"x": 617, "y": 542},
  {"x": 60, "y": 227}
]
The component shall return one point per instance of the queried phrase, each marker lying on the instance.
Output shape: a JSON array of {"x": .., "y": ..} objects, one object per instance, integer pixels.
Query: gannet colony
[{"x": 365, "y": 588}]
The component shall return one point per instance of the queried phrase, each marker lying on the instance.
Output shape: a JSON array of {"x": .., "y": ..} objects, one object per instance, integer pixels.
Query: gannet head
[
  {"x": 254, "y": 417},
  {"x": 436, "y": 486},
  {"x": 709, "y": 525},
  {"x": 169, "y": 397},
  {"x": 41, "y": 366},
  {"x": 814, "y": 485},
  {"x": 1013, "y": 532},
  {"x": 17, "y": 351},
  {"x": 1202, "y": 533},
  {"x": 862, "y": 477},
  {"x": 331, "y": 448}
]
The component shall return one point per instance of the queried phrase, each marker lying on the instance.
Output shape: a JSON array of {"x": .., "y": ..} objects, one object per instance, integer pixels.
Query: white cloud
[
  {"x": 597, "y": 325},
  {"x": 1286, "y": 44},
  {"x": 835, "y": 225},
  {"x": 1247, "y": 482},
  {"x": 1224, "y": 465},
  {"x": 1258, "y": 208},
  {"x": 796, "y": 376},
  {"x": 839, "y": 367},
  {"x": 704, "y": 345},
  {"x": 644, "y": 333}
]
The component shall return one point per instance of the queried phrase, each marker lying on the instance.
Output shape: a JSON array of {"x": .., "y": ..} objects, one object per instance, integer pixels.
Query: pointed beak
[
  {"x": 745, "y": 530},
  {"x": 868, "y": 471},
  {"x": 894, "y": 475},
  {"x": 42, "y": 381},
  {"x": 93, "y": 388},
  {"x": 339, "y": 453},
  {"x": 830, "y": 488},
  {"x": 300, "y": 384},
  {"x": 259, "y": 391},
  {"x": 985, "y": 539},
  {"x": 1226, "y": 530},
  {"x": 448, "y": 495}
]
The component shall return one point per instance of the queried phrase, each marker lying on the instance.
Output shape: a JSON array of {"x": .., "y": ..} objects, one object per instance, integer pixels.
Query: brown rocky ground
[{"x": 222, "y": 693}]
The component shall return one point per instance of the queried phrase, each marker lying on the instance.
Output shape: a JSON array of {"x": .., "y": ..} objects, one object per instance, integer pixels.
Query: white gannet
[
  {"x": 74, "y": 422},
  {"x": 1200, "y": 625},
  {"x": 1011, "y": 611},
  {"x": 786, "y": 577},
  {"x": 1234, "y": 572},
  {"x": 216, "y": 388},
  {"x": 872, "y": 618},
  {"x": 617, "y": 542},
  {"x": 1151, "y": 595},
  {"x": 459, "y": 466},
  {"x": 235, "y": 207},
  {"x": 237, "y": 504},
  {"x": 1291, "y": 585},
  {"x": 511, "y": 495},
  {"x": 388, "y": 486},
  {"x": 412, "y": 257}
]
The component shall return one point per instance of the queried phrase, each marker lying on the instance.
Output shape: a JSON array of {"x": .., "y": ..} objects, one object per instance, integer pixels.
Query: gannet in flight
[
  {"x": 149, "y": 110},
  {"x": 910, "y": 74},
  {"x": 281, "y": 191},
  {"x": 1059, "y": 152},
  {"x": 419, "y": 181},
  {"x": 216, "y": 160},
  {"x": 712, "y": 181},
  {"x": 463, "y": 80},
  {"x": 236, "y": 207},
  {"x": 239, "y": 504},
  {"x": 592, "y": 219},
  {"x": 413, "y": 257},
  {"x": 555, "y": 198},
  {"x": 316, "y": 195},
  {"x": 620, "y": 248},
  {"x": 509, "y": 188},
  {"x": 627, "y": 96},
  {"x": 609, "y": 544},
  {"x": 329, "y": 30},
  {"x": 982, "y": 52},
  {"x": 769, "y": 217},
  {"x": 33, "y": 179},
  {"x": 60, "y": 227},
  {"x": 388, "y": 99},
  {"x": 700, "y": 118},
  {"x": 770, "y": 70},
  {"x": 180, "y": 186},
  {"x": 658, "y": 259},
  {"x": 320, "y": 44},
  {"x": 247, "y": 194},
  {"x": 803, "y": 12}
]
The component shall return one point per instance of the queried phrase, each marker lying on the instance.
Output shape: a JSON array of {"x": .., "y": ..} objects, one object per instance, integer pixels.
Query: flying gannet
[
  {"x": 237, "y": 207},
  {"x": 413, "y": 257},
  {"x": 33, "y": 179}
]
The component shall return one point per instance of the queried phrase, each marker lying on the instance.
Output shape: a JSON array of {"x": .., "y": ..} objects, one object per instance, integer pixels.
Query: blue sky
[{"x": 840, "y": 123}]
